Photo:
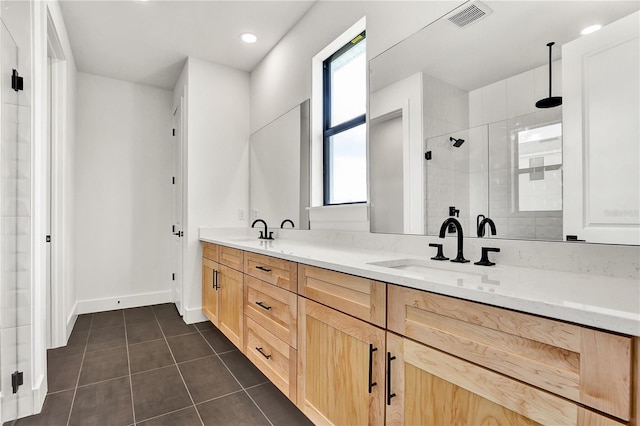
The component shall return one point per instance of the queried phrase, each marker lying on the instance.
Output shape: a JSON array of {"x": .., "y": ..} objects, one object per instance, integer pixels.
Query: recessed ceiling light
[
  {"x": 248, "y": 37},
  {"x": 591, "y": 29}
]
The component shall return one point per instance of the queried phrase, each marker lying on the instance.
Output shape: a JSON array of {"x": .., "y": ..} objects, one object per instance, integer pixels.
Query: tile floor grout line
[
  {"x": 75, "y": 390},
  {"x": 236, "y": 379},
  {"x": 126, "y": 340},
  {"x": 178, "y": 368},
  {"x": 221, "y": 396}
]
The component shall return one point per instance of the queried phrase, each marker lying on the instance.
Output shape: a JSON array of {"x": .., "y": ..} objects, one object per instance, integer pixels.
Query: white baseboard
[
  {"x": 71, "y": 320},
  {"x": 122, "y": 302},
  {"x": 39, "y": 393},
  {"x": 193, "y": 315}
]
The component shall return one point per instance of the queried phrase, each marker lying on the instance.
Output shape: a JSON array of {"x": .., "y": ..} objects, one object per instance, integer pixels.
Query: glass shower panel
[{"x": 15, "y": 228}]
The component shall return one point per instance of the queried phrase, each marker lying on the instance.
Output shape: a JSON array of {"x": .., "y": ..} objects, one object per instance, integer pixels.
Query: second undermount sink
[{"x": 445, "y": 272}]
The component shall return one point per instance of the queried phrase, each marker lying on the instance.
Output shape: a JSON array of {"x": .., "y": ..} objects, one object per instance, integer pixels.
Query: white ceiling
[
  {"x": 510, "y": 40},
  {"x": 148, "y": 41}
]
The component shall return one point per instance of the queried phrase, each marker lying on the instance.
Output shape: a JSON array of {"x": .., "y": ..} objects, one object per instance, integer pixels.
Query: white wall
[
  {"x": 217, "y": 163},
  {"x": 123, "y": 193},
  {"x": 283, "y": 78}
]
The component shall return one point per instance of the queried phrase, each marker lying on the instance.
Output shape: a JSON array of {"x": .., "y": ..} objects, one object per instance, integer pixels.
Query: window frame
[{"x": 327, "y": 130}]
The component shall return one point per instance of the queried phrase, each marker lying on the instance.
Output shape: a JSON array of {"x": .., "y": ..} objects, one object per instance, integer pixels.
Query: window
[
  {"x": 539, "y": 168},
  {"x": 344, "y": 130}
]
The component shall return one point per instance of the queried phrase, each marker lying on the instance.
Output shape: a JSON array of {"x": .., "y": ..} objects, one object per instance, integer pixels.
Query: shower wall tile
[
  {"x": 475, "y": 108},
  {"x": 16, "y": 355},
  {"x": 494, "y": 102},
  {"x": 520, "y": 94}
]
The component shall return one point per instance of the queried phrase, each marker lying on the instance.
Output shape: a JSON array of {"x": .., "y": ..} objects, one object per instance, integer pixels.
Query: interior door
[
  {"x": 176, "y": 208},
  {"x": 601, "y": 84}
]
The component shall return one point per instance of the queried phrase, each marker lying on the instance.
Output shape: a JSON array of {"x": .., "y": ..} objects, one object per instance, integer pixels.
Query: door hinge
[
  {"x": 173, "y": 229},
  {"x": 427, "y": 155},
  {"x": 17, "y": 380},
  {"x": 573, "y": 238},
  {"x": 173, "y": 180},
  {"x": 17, "y": 82},
  {"x": 48, "y": 238},
  {"x": 173, "y": 277},
  {"x": 173, "y": 132}
]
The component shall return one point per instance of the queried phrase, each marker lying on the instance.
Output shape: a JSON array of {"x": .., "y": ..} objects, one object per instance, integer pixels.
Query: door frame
[
  {"x": 179, "y": 123},
  {"x": 58, "y": 328}
]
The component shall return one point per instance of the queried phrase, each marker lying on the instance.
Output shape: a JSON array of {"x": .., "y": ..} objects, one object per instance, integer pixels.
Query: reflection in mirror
[
  {"x": 482, "y": 147},
  {"x": 279, "y": 170}
]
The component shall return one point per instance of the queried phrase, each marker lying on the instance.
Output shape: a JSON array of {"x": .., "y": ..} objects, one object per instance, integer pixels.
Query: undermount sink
[{"x": 439, "y": 271}]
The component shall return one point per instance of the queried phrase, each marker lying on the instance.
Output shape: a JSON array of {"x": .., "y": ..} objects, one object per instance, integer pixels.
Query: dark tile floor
[{"x": 145, "y": 366}]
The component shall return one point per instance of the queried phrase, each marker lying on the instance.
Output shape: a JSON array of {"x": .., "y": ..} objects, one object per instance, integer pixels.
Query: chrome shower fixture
[{"x": 456, "y": 142}]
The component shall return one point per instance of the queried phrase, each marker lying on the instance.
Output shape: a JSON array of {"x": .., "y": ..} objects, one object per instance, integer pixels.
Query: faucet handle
[
  {"x": 261, "y": 237},
  {"x": 440, "y": 254},
  {"x": 484, "y": 260}
]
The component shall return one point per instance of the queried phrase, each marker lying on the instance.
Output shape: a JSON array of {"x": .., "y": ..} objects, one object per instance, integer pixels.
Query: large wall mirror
[
  {"x": 279, "y": 170},
  {"x": 454, "y": 128}
]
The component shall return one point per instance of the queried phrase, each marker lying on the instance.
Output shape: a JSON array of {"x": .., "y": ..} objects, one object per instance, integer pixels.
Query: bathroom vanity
[{"x": 356, "y": 336}]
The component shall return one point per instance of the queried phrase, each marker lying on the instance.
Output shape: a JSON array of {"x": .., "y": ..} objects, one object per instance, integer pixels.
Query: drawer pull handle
[
  {"x": 389, "y": 394},
  {"x": 262, "y": 268},
  {"x": 371, "y": 382},
  {"x": 263, "y": 306},
  {"x": 262, "y": 353}
]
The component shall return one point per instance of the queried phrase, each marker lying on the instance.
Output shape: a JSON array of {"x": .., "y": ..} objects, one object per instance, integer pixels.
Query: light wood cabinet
[
  {"x": 233, "y": 258},
  {"x": 230, "y": 303},
  {"x": 340, "y": 367},
  {"x": 562, "y": 358},
  {"x": 210, "y": 289},
  {"x": 360, "y": 297},
  {"x": 279, "y": 272},
  {"x": 275, "y": 358},
  {"x": 273, "y": 308},
  {"x": 431, "y": 387}
]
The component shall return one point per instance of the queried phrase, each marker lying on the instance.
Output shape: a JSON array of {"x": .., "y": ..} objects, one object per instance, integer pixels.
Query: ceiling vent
[{"x": 470, "y": 14}]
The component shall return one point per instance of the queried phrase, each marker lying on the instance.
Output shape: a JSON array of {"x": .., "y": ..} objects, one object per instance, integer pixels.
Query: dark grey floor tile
[
  {"x": 186, "y": 417},
  {"x": 107, "y": 319},
  {"x": 188, "y": 347},
  {"x": 218, "y": 341},
  {"x": 166, "y": 310},
  {"x": 102, "y": 404},
  {"x": 75, "y": 345},
  {"x": 104, "y": 365},
  {"x": 83, "y": 323},
  {"x": 158, "y": 392},
  {"x": 204, "y": 326},
  {"x": 175, "y": 326},
  {"x": 208, "y": 378},
  {"x": 62, "y": 372},
  {"x": 244, "y": 370},
  {"x": 55, "y": 411},
  {"x": 105, "y": 338},
  {"x": 236, "y": 409},
  {"x": 143, "y": 332},
  {"x": 149, "y": 355},
  {"x": 277, "y": 407},
  {"x": 142, "y": 314}
]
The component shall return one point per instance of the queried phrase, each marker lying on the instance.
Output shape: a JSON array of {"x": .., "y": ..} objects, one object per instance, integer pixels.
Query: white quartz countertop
[{"x": 597, "y": 301}]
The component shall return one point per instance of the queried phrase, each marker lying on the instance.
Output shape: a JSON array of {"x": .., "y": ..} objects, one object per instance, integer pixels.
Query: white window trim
[{"x": 316, "y": 198}]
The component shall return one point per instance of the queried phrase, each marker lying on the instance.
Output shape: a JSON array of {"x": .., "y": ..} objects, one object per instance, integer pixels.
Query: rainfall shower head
[
  {"x": 551, "y": 101},
  {"x": 456, "y": 142}
]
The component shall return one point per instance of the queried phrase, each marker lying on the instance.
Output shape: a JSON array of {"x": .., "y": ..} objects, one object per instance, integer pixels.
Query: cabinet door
[
  {"x": 210, "y": 290},
  {"x": 231, "y": 289},
  {"x": 427, "y": 386},
  {"x": 340, "y": 367}
]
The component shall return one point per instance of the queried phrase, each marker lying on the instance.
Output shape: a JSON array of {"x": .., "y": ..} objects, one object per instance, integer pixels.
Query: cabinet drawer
[
  {"x": 275, "y": 358},
  {"x": 361, "y": 297},
  {"x": 432, "y": 387},
  {"x": 273, "y": 308},
  {"x": 565, "y": 359},
  {"x": 272, "y": 270},
  {"x": 233, "y": 258},
  {"x": 210, "y": 251}
]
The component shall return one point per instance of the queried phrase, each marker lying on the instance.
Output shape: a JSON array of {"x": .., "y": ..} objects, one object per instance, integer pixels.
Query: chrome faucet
[
  {"x": 481, "y": 226},
  {"x": 266, "y": 235},
  {"x": 285, "y": 221},
  {"x": 453, "y": 221}
]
